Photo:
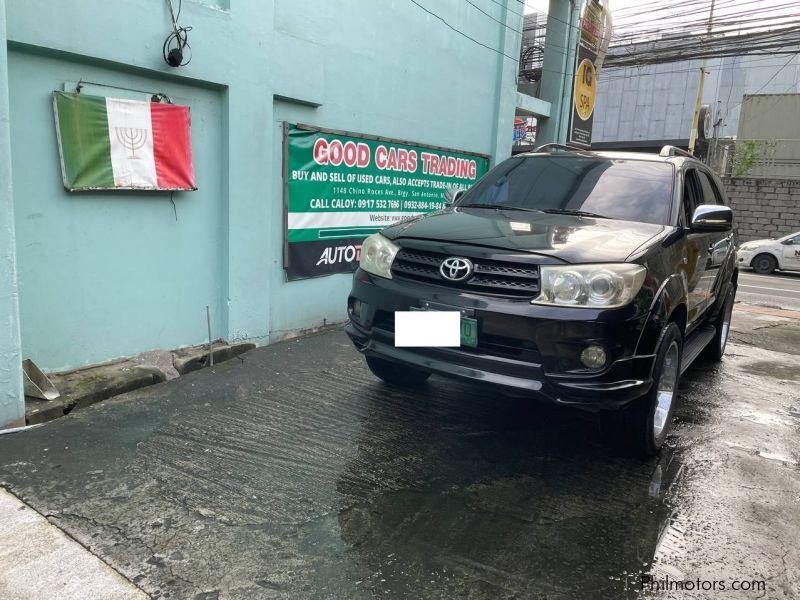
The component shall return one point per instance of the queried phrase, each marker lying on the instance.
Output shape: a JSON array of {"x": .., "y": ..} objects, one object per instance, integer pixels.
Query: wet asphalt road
[
  {"x": 780, "y": 289},
  {"x": 293, "y": 473}
]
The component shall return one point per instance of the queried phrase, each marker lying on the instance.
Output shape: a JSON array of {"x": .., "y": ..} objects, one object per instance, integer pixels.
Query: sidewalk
[
  {"x": 40, "y": 562},
  {"x": 766, "y": 328},
  {"x": 765, "y": 310}
]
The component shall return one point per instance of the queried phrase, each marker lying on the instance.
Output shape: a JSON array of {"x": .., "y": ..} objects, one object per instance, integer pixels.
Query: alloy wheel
[
  {"x": 725, "y": 325},
  {"x": 665, "y": 390}
]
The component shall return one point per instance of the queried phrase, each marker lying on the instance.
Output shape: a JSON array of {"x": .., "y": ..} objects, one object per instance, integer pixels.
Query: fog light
[
  {"x": 593, "y": 357},
  {"x": 355, "y": 309}
]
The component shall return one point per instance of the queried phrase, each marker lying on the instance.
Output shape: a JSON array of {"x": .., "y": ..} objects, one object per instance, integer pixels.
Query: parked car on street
[
  {"x": 767, "y": 255},
  {"x": 589, "y": 279}
]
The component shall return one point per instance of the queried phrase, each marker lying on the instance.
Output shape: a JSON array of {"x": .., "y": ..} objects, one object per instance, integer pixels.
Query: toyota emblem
[{"x": 456, "y": 269}]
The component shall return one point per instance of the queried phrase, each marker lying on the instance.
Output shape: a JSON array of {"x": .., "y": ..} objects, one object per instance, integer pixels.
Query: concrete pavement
[
  {"x": 293, "y": 473},
  {"x": 38, "y": 561}
]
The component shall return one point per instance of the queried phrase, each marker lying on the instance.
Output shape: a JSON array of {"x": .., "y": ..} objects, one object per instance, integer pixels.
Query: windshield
[{"x": 632, "y": 190}]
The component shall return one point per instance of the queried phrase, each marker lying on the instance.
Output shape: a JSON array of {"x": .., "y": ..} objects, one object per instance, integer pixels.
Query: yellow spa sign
[{"x": 585, "y": 89}]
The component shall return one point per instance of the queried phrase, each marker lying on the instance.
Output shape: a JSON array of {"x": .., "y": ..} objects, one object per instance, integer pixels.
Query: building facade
[
  {"x": 652, "y": 105},
  {"x": 88, "y": 277}
]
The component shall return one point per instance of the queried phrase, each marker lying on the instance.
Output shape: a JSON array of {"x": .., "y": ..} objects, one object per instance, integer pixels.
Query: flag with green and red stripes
[{"x": 113, "y": 143}]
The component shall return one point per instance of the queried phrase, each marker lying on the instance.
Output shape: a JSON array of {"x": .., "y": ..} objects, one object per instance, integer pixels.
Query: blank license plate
[{"x": 468, "y": 330}]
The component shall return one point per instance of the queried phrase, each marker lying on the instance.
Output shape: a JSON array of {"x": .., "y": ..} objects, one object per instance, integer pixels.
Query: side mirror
[
  {"x": 712, "y": 217},
  {"x": 452, "y": 197}
]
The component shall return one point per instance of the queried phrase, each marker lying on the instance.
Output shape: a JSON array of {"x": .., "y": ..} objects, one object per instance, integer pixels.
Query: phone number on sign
[
  {"x": 371, "y": 203},
  {"x": 423, "y": 204}
]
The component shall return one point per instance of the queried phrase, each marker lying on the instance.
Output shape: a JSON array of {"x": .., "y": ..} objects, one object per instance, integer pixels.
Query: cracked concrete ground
[{"x": 293, "y": 473}]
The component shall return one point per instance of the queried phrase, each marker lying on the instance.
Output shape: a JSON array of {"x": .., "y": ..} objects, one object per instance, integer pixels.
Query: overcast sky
[
  {"x": 773, "y": 14},
  {"x": 541, "y": 5},
  {"x": 674, "y": 6}
]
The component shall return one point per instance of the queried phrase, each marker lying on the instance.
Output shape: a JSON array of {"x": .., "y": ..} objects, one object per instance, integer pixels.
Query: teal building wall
[
  {"x": 11, "y": 405},
  {"x": 108, "y": 274}
]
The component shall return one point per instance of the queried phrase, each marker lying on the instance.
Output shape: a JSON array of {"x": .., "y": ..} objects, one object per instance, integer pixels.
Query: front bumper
[
  {"x": 745, "y": 257},
  {"x": 521, "y": 346}
]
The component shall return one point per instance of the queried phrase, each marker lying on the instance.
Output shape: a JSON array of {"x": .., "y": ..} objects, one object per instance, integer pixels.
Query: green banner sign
[{"x": 341, "y": 188}]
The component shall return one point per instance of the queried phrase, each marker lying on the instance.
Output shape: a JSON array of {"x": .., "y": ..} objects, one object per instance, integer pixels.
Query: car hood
[
  {"x": 760, "y": 243},
  {"x": 569, "y": 238}
]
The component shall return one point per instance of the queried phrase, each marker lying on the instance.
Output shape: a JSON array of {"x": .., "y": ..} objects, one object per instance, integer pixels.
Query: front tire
[
  {"x": 647, "y": 421},
  {"x": 395, "y": 373},
  {"x": 765, "y": 264}
]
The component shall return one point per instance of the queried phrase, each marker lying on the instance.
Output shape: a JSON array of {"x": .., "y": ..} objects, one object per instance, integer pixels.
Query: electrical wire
[
  {"x": 491, "y": 17},
  {"x": 177, "y": 41},
  {"x": 617, "y": 73},
  {"x": 461, "y": 33},
  {"x": 513, "y": 12},
  {"x": 736, "y": 29},
  {"x": 636, "y": 43},
  {"x": 678, "y": 33},
  {"x": 770, "y": 80}
]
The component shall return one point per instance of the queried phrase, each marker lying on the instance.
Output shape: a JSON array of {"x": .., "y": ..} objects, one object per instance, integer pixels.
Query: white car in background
[{"x": 767, "y": 255}]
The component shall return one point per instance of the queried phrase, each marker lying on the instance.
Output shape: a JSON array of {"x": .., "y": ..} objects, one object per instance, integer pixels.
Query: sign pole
[{"x": 699, "y": 99}]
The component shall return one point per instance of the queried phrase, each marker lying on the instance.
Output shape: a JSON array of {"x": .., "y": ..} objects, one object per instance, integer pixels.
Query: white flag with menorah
[{"x": 112, "y": 143}]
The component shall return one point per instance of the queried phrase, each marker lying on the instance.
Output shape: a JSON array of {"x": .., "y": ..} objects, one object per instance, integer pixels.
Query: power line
[
  {"x": 461, "y": 33},
  {"x": 720, "y": 47},
  {"x": 747, "y": 21},
  {"x": 766, "y": 84},
  {"x": 513, "y": 12},
  {"x": 491, "y": 17},
  {"x": 612, "y": 72},
  {"x": 628, "y": 32},
  {"x": 730, "y": 93},
  {"x": 617, "y": 73},
  {"x": 662, "y": 51}
]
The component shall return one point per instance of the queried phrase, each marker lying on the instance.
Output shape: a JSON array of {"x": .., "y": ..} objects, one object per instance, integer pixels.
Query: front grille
[
  {"x": 500, "y": 278},
  {"x": 384, "y": 320}
]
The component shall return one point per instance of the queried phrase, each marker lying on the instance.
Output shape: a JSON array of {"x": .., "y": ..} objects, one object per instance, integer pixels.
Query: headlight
[
  {"x": 567, "y": 287},
  {"x": 588, "y": 286},
  {"x": 377, "y": 254},
  {"x": 748, "y": 247}
]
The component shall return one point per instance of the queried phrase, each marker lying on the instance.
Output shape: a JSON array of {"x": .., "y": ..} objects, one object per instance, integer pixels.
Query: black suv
[{"x": 591, "y": 279}]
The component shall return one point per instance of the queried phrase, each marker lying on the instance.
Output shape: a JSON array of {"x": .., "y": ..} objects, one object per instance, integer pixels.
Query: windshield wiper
[
  {"x": 577, "y": 213},
  {"x": 496, "y": 207}
]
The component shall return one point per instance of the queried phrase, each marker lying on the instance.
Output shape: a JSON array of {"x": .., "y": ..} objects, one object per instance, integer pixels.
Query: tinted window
[
  {"x": 709, "y": 194},
  {"x": 633, "y": 190},
  {"x": 692, "y": 195},
  {"x": 718, "y": 190}
]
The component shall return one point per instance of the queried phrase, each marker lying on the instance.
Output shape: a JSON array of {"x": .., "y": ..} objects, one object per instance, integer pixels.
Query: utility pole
[
  {"x": 696, "y": 117},
  {"x": 561, "y": 41}
]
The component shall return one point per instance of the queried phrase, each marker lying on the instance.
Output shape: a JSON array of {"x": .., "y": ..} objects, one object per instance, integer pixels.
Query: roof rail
[
  {"x": 566, "y": 147},
  {"x": 675, "y": 151}
]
